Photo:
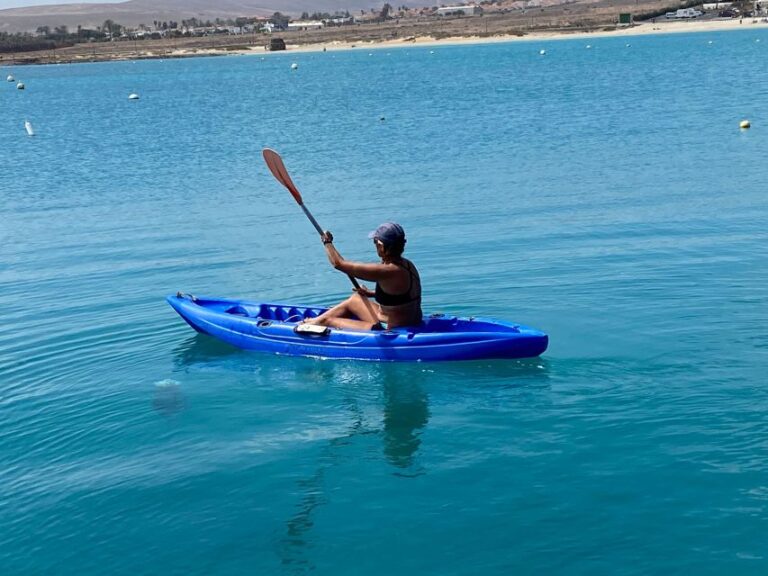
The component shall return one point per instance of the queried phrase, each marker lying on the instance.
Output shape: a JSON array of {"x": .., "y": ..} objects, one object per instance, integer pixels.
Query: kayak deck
[{"x": 277, "y": 328}]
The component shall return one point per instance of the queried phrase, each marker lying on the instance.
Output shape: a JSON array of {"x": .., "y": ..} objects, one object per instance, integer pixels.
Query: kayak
[{"x": 278, "y": 328}]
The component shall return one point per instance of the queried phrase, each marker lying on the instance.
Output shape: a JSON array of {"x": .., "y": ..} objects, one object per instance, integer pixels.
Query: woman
[{"x": 398, "y": 286}]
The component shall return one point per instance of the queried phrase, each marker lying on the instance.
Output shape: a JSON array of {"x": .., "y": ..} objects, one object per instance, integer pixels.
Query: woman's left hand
[
  {"x": 327, "y": 237},
  {"x": 364, "y": 291}
]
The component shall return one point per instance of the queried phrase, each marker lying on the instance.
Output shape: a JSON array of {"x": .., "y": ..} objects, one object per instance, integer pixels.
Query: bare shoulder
[
  {"x": 410, "y": 264},
  {"x": 386, "y": 269},
  {"x": 370, "y": 270}
]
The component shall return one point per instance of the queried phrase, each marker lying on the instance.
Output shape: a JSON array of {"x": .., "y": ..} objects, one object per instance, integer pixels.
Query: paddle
[{"x": 276, "y": 166}]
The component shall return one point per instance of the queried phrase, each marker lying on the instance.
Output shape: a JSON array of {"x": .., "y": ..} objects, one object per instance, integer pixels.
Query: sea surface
[{"x": 602, "y": 192}]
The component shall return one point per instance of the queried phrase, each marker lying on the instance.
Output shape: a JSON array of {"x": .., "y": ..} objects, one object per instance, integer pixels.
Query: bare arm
[{"x": 363, "y": 270}]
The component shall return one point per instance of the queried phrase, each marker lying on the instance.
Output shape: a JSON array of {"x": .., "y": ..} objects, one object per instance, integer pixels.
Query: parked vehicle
[
  {"x": 684, "y": 13},
  {"x": 276, "y": 44}
]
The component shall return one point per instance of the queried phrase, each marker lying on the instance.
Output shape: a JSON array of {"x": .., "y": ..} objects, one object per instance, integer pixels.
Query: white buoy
[
  {"x": 431, "y": 51},
  {"x": 542, "y": 52},
  {"x": 10, "y": 78},
  {"x": 744, "y": 124},
  {"x": 133, "y": 96},
  {"x": 710, "y": 42},
  {"x": 294, "y": 66},
  {"x": 757, "y": 40},
  {"x": 20, "y": 86},
  {"x": 589, "y": 46},
  {"x": 629, "y": 45},
  {"x": 28, "y": 128}
]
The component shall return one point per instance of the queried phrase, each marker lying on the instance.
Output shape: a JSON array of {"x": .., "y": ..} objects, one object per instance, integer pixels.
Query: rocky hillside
[{"x": 135, "y": 12}]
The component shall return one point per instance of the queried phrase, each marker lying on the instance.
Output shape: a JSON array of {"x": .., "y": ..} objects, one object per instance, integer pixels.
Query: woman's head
[{"x": 389, "y": 238}]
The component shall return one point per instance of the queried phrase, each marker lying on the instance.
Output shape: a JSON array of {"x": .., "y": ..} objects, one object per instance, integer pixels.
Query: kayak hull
[{"x": 273, "y": 328}]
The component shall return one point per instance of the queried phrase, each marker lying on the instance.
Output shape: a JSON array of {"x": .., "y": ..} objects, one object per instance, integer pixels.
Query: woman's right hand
[{"x": 327, "y": 237}]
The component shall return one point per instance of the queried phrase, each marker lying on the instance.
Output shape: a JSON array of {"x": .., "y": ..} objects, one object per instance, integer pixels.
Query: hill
[{"x": 135, "y": 12}]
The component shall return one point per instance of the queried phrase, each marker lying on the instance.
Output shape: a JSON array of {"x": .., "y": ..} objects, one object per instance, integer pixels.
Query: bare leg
[
  {"x": 349, "y": 323},
  {"x": 337, "y": 311},
  {"x": 341, "y": 315}
]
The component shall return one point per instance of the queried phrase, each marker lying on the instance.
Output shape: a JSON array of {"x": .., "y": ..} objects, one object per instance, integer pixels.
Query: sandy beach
[
  {"x": 229, "y": 46},
  {"x": 638, "y": 29}
]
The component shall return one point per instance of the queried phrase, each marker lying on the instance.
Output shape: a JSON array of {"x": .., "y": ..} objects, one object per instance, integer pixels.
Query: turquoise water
[{"x": 604, "y": 195}]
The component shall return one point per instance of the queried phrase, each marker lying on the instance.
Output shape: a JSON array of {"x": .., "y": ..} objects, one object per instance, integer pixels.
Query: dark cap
[{"x": 388, "y": 233}]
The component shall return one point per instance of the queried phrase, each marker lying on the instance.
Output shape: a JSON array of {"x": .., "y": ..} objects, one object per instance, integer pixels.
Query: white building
[
  {"x": 470, "y": 10},
  {"x": 341, "y": 20},
  {"x": 305, "y": 25}
]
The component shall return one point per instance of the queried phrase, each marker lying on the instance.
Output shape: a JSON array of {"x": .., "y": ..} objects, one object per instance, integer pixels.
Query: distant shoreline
[
  {"x": 88, "y": 53},
  {"x": 641, "y": 29}
]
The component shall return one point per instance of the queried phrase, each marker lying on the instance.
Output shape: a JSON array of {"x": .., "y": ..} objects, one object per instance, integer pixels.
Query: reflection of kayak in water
[{"x": 277, "y": 328}]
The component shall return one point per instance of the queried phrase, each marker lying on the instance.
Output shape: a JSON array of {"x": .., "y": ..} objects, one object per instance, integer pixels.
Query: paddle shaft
[
  {"x": 279, "y": 171},
  {"x": 312, "y": 219},
  {"x": 320, "y": 231}
]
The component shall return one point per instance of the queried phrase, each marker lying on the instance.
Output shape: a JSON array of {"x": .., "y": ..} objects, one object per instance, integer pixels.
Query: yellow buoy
[{"x": 744, "y": 124}]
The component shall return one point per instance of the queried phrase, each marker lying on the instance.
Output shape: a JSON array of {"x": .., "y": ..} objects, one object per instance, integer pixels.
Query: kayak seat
[
  {"x": 237, "y": 311},
  {"x": 294, "y": 315},
  {"x": 439, "y": 323},
  {"x": 275, "y": 313}
]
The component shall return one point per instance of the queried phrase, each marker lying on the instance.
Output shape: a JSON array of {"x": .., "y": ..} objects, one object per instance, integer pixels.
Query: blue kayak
[{"x": 277, "y": 328}]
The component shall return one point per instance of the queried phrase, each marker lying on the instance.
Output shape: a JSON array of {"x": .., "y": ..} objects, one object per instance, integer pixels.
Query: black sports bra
[{"x": 386, "y": 299}]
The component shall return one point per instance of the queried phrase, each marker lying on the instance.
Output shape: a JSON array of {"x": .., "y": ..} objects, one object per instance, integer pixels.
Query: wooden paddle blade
[{"x": 276, "y": 166}]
